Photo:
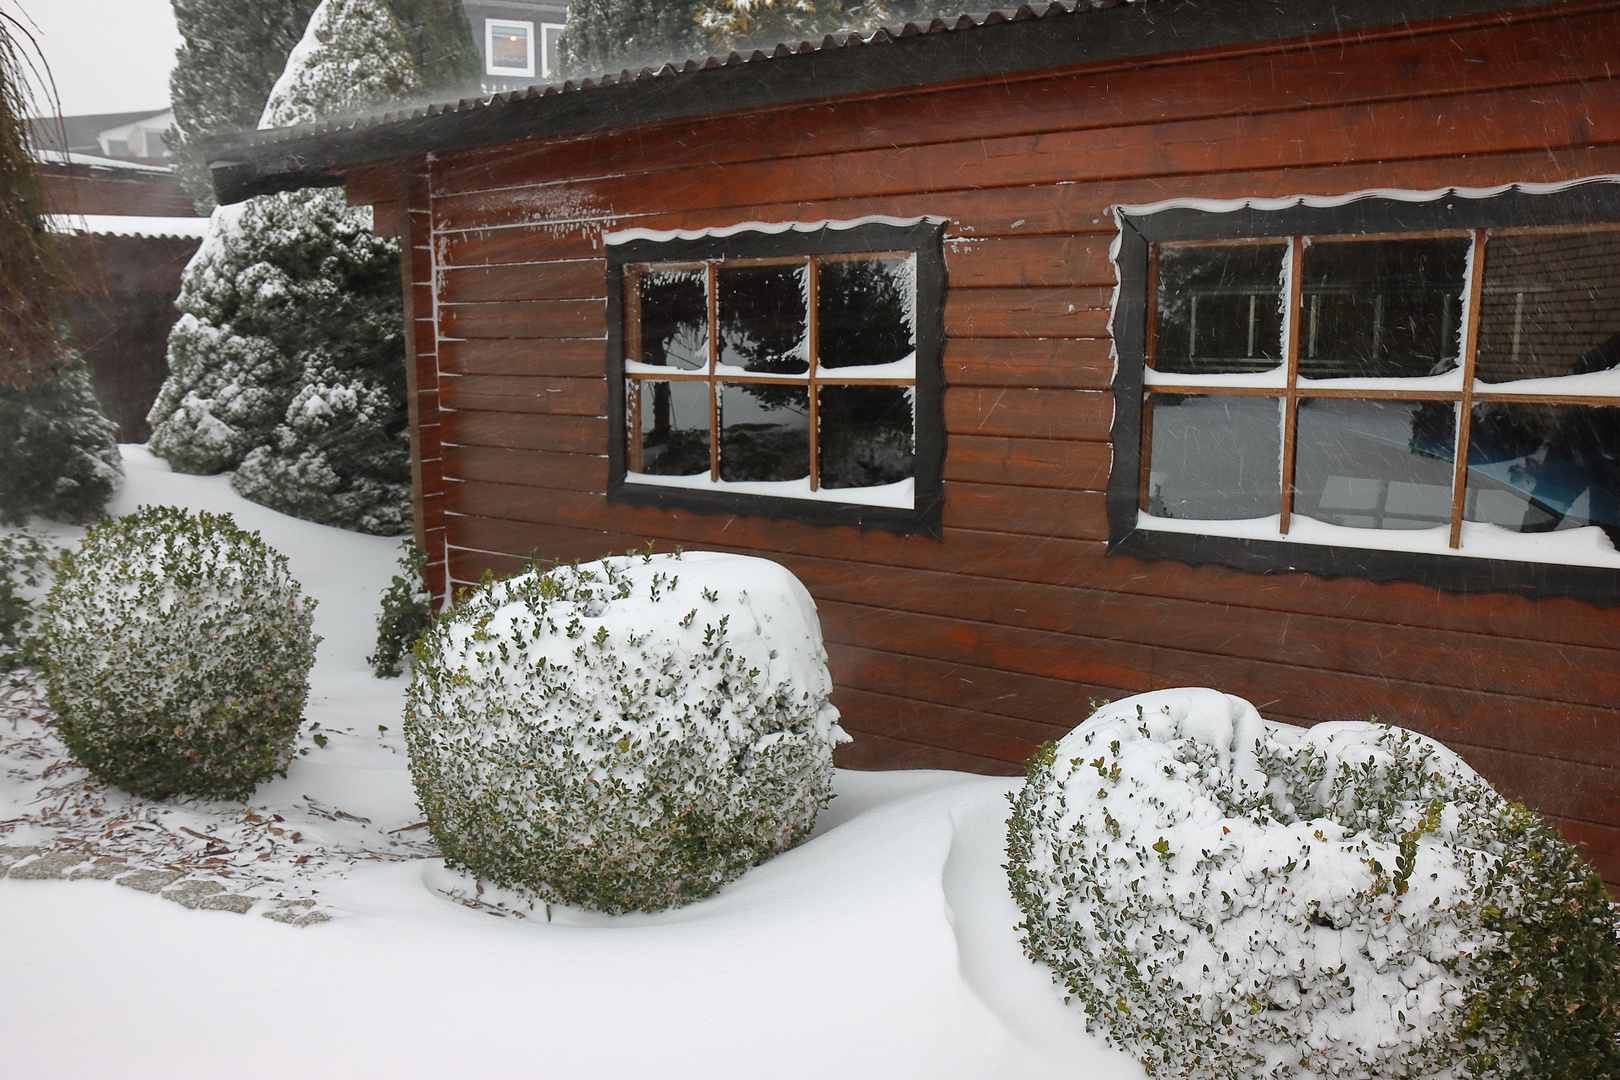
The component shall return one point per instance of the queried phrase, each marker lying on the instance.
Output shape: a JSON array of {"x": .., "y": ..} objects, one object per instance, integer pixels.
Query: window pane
[
  {"x": 764, "y": 432},
  {"x": 674, "y": 319},
  {"x": 762, "y": 318},
  {"x": 509, "y": 45},
  {"x": 1381, "y": 308},
  {"x": 1215, "y": 457},
  {"x": 1551, "y": 306},
  {"x": 866, "y": 311},
  {"x": 1219, "y": 309},
  {"x": 674, "y": 426},
  {"x": 1375, "y": 464},
  {"x": 1535, "y": 468},
  {"x": 866, "y": 435}
]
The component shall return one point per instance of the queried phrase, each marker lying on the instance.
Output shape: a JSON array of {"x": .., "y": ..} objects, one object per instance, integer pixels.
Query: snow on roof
[
  {"x": 128, "y": 225},
  {"x": 95, "y": 161}
]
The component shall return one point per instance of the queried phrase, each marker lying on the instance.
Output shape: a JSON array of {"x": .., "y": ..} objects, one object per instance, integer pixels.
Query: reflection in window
[
  {"x": 866, "y": 311},
  {"x": 1536, "y": 467},
  {"x": 508, "y": 47},
  {"x": 763, "y": 319},
  {"x": 1382, "y": 308},
  {"x": 868, "y": 435},
  {"x": 764, "y": 432},
  {"x": 1375, "y": 464},
  {"x": 1551, "y": 306},
  {"x": 1219, "y": 308},
  {"x": 1215, "y": 457},
  {"x": 673, "y": 439},
  {"x": 674, "y": 309}
]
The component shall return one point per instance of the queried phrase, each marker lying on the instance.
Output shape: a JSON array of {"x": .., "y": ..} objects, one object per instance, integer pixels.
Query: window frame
[
  {"x": 922, "y": 237},
  {"x": 490, "y": 67},
  {"x": 1585, "y": 201},
  {"x": 549, "y": 33}
]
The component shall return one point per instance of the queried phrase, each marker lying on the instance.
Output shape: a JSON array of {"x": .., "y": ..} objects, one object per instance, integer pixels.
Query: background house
[
  {"x": 517, "y": 40},
  {"x": 1125, "y": 337}
]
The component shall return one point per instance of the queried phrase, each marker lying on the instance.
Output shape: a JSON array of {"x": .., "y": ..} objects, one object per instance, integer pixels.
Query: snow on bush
[
  {"x": 1230, "y": 897},
  {"x": 624, "y": 735},
  {"x": 58, "y": 451},
  {"x": 177, "y": 654}
]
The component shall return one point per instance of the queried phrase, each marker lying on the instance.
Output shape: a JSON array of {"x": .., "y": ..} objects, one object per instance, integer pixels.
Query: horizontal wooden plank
[
  {"x": 578, "y": 279},
  {"x": 1051, "y": 463},
  {"x": 541, "y": 468},
  {"x": 527, "y": 431},
  {"x": 1564, "y": 789},
  {"x": 1394, "y": 131},
  {"x": 1027, "y": 313},
  {"x": 1030, "y": 261},
  {"x": 525, "y": 393},
  {"x": 870, "y": 752},
  {"x": 1011, "y": 704},
  {"x": 1355, "y": 68},
  {"x": 1038, "y": 414},
  {"x": 1033, "y": 512},
  {"x": 1011, "y": 560},
  {"x": 1288, "y": 680},
  {"x": 510, "y": 238},
  {"x": 559, "y": 357},
  {"x": 525, "y": 319},
  {"x": 1059, "y": 363}
]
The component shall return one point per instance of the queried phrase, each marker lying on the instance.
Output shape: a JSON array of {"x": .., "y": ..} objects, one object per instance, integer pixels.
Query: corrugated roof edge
[{"x": 1024, "y": 39}]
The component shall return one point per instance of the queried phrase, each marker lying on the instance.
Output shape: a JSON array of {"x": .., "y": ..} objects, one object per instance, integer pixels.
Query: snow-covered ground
[{"x": 883, "y": 947}]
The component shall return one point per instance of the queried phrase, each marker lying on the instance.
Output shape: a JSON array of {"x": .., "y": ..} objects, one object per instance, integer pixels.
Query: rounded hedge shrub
[
  {"x": 1229, "y": 897},
  {"x": 177, "y": 654},
  {"x": 623, "y": 735}
]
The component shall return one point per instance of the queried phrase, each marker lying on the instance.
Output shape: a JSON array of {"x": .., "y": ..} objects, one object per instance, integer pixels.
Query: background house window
[
  {"x": 768, "y": 367},
  {"x": 549, "y": 60},
  {"x": 508, "y": 47},
  {"x": 1460, "y": 385}
]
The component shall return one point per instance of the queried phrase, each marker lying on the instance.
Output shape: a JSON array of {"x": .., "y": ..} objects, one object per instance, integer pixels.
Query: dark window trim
[
  {"x": 1594, "y": 200},
  {"x": 927, "y": 239}
]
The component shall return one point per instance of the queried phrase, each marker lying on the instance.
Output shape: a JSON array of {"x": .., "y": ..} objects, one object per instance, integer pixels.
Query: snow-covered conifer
[
  {"x": 59, "y": 454},
  {"x": 609, "y": 34},
  {"x": 288, "y": 360}
]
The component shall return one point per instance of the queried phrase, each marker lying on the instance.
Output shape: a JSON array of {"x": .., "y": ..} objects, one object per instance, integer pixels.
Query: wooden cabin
[{"x": 1063, "y": 354}]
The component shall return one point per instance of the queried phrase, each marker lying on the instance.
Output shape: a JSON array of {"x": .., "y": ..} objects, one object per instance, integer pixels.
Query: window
[
  {"x": 1422, "y": 387},
  {"x": 785, "y": 370},
  {"x": 549, "y": 33},
  {"x": 508, "y": 47}
]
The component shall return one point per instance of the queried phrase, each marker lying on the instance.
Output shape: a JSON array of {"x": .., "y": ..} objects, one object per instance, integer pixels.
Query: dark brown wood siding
[{"x": 966, "y": 652}]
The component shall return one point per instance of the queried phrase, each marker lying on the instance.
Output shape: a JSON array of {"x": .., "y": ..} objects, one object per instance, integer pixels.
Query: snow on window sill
[
  {"x": 897, "y": 496},
  {"x": 1584, "y": 546}
]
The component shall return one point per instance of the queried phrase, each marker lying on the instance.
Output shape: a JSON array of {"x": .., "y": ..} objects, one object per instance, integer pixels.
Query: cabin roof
[{"x": 1060, "y": 34}]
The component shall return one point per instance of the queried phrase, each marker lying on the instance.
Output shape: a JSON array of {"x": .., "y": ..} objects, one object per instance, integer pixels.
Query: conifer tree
[
  {"x": 232, "y": 54},
  {"x": 288, "y": 361},
  {"x": 607, "y": 35},
  {"x": 752, "y": 24}
]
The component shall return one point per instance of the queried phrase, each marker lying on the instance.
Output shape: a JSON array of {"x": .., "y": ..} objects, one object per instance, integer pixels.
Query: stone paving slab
[
  {"x": 151, "y": 881},
  {"x": 297, "y": 913},
  {"x": 101, "y": 871},
  {"x": 55, "y": 864}
]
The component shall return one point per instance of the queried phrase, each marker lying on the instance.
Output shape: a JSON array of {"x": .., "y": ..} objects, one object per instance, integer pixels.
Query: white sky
[{"x": 107, "y": 56}]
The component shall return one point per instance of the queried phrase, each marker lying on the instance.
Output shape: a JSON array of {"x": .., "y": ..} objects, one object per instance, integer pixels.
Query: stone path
[{"x": 34, "y": 864}]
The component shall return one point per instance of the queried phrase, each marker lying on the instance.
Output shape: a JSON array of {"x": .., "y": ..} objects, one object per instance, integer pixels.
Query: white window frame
[{"x": 490, "y": 67}]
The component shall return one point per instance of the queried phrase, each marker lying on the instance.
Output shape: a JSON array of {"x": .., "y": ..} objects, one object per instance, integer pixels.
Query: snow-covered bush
[
  {"x": 624, "y": 735},
  {"x": 407, "y": 612},
  {"x": 58, "y": 451},
  {"x": 1229, "y": 897},
  {"x": 177, "y": 654},
  {"x": 24, "y": 566}
]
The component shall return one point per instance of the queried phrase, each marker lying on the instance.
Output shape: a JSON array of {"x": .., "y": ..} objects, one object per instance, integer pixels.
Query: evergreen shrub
[
  {"x": 177, "y": 655},
  {"x": 407, "y": 612},
  {"x": 58, "y": 451},
  {"x": 1229, "y": 897},
  {"x": 623, "y": 735},
  {"x": 24, "y": 565}
]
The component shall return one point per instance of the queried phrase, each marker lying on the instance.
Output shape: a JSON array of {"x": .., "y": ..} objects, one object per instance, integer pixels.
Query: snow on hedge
[
  {"x": 1230, "y": 897},
  {"x": 625, "y": 734}
]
